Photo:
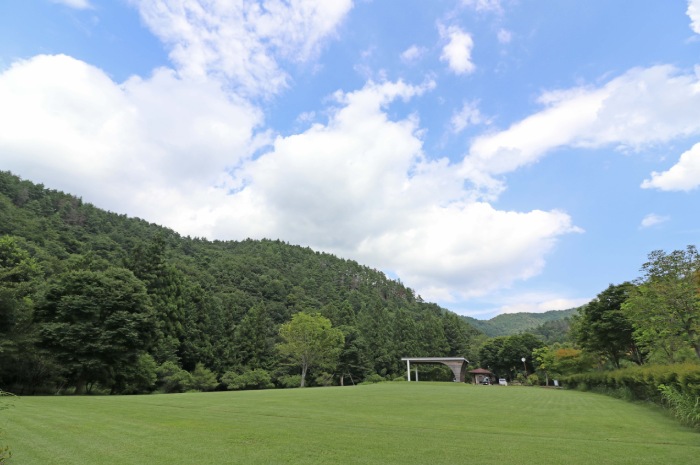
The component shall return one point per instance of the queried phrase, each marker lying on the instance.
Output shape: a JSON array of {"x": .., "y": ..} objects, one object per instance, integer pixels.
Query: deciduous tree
[
  {"x": 602, "y": 328},
  {"x": 666, "y": 304},
  {"x": 95, "y": 321},
  {"x": 310, "y": 340}
]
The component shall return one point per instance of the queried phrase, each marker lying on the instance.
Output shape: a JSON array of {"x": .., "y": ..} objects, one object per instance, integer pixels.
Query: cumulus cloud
[
  {"x": 683, "y": 176},
  {"x": 360, "y": 186},
  {"x": 124, "y": 146},
  {"x": 77, "y": 4},
  {"x": 241, "y": 42},
  {"x": 694, "y": 15},
  {"x": 458, "y": 50},
  {"x": 642, "y": 107}
]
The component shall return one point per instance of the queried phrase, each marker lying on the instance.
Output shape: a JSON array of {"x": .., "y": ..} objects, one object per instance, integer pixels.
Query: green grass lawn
[{"x": 387, "y": 423}]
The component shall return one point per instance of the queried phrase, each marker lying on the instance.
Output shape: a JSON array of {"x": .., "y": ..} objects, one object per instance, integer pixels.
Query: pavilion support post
[
  {"x": 416, "y": 374},
  {"x": 408, "y": 370}
]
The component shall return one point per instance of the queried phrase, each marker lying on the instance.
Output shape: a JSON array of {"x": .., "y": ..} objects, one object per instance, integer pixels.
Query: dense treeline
[
  {"x": 550, "y": 325},
  {"x": 95, "y": 300},
  {"x": 654, "y": 320}
]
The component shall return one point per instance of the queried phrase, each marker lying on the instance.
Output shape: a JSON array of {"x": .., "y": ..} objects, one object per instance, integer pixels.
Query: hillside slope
[
  {"x": 514, "y": 323},
  {"x": 214, "y": 303}
]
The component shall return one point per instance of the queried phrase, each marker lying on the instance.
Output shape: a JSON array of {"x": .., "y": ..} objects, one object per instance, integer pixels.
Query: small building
[{"x": 480, "y": 374}]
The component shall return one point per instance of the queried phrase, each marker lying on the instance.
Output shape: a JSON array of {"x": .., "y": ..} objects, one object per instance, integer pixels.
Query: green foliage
[
  {"x": 602, "y": 328},
  {"x": 94, "y": 322},
  {"x": 665, "y": 308},
  {"x": 373, "y": 379},
  {"x": 249, "y": 379},
  {"x": 219, "y": 303},
  {"x": 203, "y": 379},
  {"x": 503, "y": 355},
  {"x": 642, "y": 382},
  {"x": 137, "y": 378},
  {"x": 685, "y": 407},
  {"x": 509, "y": 324},
  {"x": 310, "y": 340},
  {"x": 172, "y": 378},
  {"x": 289, "y": 381}
]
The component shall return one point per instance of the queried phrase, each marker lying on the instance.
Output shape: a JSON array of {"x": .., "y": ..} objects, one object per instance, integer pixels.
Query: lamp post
[{"x": 524, "y": 366}]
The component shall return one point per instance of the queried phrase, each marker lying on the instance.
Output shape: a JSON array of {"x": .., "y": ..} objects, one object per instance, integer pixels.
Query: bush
[
  {"x": 684, "y": 406},
  {"x": 172, "y": 378},
  {"x": 289, "y": 381},
  {"x": 373, "y": 378},
  {"x": 533, "y": 380},
  {"x": 203, "y": 379},
  {"x": 324, "y": 379},
  {"x": 676, "y": 387},
  {"x": 140, "y": 377},
  {"x": 249, "y": 379}
]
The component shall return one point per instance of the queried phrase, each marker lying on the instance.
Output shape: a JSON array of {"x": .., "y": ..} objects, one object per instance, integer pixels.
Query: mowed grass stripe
[{"x": 407, "y": 423}]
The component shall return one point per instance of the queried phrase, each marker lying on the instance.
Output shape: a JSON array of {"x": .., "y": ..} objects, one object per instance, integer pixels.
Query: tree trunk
[
  {"x": 303, "y": 375},
  {"x": 80, "y": 385}
]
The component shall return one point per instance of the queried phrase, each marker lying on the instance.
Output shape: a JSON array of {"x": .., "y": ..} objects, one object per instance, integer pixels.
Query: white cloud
[
  {"x": 412, "y": 54},
  {"x": 360, "y": 186},
  {"x": 504, "y": 36},
  {"x": 242, "y": 41},
  {"x": 77, "y": 4},
  {"x": 683, "y": 176},
  {"x": 468, "y": 115},
  {"x": 128, "y": 147},
  {"x": 642, "y": 107},
  {"x": 694, "y": 15},
  {"x": 484, "y": 5},
  {"x": 652, "y": 219},
  {"x": 458, "y": 50},
  {"x": 539, "y": 303}
]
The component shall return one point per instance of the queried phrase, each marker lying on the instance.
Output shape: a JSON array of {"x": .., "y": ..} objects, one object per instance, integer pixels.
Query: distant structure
[
  {"x": 458, "y": 365},
  {"x": 480, "y": 374}
]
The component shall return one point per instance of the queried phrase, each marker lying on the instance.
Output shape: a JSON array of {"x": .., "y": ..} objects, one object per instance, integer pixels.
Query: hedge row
[{"x": 641, "y": 382}]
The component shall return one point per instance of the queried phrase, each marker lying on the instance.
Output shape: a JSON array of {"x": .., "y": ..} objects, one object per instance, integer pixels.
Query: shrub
[
  {"x": 289, "y": 381},
  {"x": 203, "y": 379},
  {"x": 684, "y": 406},
  {"x": 676, "y": 387},
  {"x": 373, "y": 378},
  {"x": 324, "y": 379},
  {"x": 249, "y": 379},
  {"x": 172, "y": 378},
  {"x": 533, "y": 380}
]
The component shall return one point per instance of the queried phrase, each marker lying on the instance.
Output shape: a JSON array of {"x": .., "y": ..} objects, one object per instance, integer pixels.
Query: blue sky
[{"x": 495, "y": 155}]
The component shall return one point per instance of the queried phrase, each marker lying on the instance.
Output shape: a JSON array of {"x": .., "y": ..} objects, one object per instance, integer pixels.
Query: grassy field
[{"x": 387, "y": 423}]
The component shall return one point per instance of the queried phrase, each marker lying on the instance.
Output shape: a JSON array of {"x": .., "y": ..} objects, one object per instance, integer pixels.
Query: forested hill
[
  {"x": 93, "y": 298},
  {"x": 513, "y": 323}
]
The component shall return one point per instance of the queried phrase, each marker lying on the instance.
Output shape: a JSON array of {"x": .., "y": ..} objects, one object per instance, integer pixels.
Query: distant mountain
[{"x": 514, "y": 323}]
